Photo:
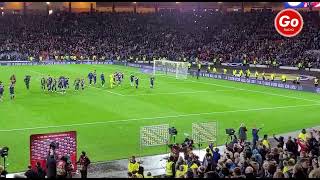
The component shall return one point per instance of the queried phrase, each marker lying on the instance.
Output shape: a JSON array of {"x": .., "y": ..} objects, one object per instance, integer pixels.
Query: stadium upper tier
[{"x": 228, "y": 37}]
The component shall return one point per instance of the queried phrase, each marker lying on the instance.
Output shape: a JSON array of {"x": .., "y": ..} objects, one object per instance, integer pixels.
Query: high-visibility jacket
[
  {"x": 179, "y": 174},
  {"x": 169, "y": 168},
  {"x": 214, "y": 70},
  {"x": 224, "y": 71},
  {"x": 266, "y": 143},
  {"x": 316, "y": 81},
  {"x": 133, "y": 167}
]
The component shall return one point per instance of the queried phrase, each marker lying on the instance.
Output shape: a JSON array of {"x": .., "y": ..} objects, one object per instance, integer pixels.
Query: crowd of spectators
[
  {"x": 190, "y": 36},
  {"x": 295, "y": 158},
  {"x": 292, "y": 157}
]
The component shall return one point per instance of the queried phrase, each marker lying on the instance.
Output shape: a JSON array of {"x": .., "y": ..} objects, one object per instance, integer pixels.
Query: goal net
[{"x": 165, "y": 67}]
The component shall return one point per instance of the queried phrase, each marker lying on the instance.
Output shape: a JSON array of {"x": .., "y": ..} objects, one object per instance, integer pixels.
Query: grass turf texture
[{"x": 120, "y": 112}]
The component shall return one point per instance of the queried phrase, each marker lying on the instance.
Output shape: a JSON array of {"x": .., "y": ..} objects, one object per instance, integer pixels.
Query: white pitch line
[
  {"x": 185, "y": 92},
  {"x": 159, "y": 117},
  {"x": 248, "y": 90},
  {"x": 262, "y": 92},
  {"x": 107, "y": 91}
]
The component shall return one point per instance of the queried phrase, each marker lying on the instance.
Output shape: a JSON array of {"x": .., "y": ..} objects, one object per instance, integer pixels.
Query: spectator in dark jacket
[
  {"x": 40, "y": 172},
  {"x": 30, "y": 173},
  {"x": 51, "y": 167},
  {"x": 84, "y": 162}
]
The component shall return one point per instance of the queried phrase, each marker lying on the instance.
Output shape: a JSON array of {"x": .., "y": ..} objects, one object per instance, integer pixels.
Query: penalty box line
[{"x": 159, "y": 117}]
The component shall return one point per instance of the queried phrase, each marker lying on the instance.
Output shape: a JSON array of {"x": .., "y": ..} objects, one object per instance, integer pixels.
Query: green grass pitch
[{"x": 108, "y": 120}]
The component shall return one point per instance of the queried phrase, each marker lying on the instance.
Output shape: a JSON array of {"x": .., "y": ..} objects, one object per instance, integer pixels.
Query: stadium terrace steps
[{"x": 154, "y": 164}]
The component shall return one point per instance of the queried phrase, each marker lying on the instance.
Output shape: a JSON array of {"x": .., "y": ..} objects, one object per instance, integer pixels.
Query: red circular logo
[{"x": 288, "y": 22}]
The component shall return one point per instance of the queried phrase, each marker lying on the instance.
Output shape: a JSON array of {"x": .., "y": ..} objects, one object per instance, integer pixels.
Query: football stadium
[{"x": 159, "y": 89}]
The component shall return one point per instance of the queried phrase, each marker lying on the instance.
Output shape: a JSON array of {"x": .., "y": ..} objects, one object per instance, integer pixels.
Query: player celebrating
[
  {"x": 76, "y": 84},
  {"x": 131, "y": 80},
  {"x": 54, "y": 85},
  {"x": 151, "y": 82},
  {"x": 49, "y": 83},
  {"x": 82, "y": 83},
  {"x": 43, "y": 84},
  {"x": 27, "y": 81},
  {"x": 90, "y": 76},
  {"x": 102, "y": 79},
  {"x": 1, "y": 90},
  {"x": 94, "y": 77},
  {"x": 11, "y": 89},
  {"x": 137, "y": 82}
]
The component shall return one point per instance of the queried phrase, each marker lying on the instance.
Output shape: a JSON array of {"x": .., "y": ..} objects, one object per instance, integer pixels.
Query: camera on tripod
[
  {"x": 230, "y": 131},
  {"x": 4, "y": 152}
]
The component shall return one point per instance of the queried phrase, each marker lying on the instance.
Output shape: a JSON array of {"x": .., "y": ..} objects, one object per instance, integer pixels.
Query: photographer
[{"x": 173, "y": 133}]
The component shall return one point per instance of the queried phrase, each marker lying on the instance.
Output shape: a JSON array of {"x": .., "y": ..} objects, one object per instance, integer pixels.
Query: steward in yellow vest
[
  {"x": 133, "y": 165},
  {"x": 214, "y": 70},
  {"x": 224, "y": 71},
  {"x": 209, "y": 68},
  {"x": 234, "y": 72},
  {"x": 170, "y": 168},
  {"x": 256, "y": 75},
  {"x": 284, "y": 78}
]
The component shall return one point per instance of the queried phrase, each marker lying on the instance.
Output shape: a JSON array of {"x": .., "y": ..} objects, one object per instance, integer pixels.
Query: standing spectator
[
  {"x": 255, "y": 136},
  {"x": 265, "y": 141},
  {"x": 40, "y": 172},
  {"x": 84, "y": 162},
  {"x": 280, "y": 141},
  {"x": 51, "y": 165},
  {"x": 242, "y": 133},
  {"x": 30, "y": 173},
  {"x": 62, "y": 167}
]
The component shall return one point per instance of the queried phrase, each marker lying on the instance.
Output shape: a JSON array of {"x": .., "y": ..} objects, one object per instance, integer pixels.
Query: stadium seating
[{"x": 207, "y": 35}]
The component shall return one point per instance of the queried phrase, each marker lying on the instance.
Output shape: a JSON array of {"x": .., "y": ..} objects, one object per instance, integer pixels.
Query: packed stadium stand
[
  {"x": 206, "y": 36},
  {"x": 227, "y": 37}
]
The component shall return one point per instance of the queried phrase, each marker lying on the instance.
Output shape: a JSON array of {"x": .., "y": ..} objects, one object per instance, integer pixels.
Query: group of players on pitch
[{"x": 61, "y": 84}]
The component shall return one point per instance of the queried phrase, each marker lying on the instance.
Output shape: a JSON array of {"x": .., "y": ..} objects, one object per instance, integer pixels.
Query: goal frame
[{"x": 176, "y": 63}]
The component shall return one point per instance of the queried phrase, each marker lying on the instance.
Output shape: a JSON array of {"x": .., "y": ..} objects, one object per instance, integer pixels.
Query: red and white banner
[{"x": 66, "y": 145}]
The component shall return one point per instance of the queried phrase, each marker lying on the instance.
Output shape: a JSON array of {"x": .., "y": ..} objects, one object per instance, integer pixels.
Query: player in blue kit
[
  {"x": 151, "y": 82},
  {"x": 103, "y": 81},
  {"x": 90, "y": 76},
  {"x": 11, "y": 89},
  {"x": 77, "y": 84},
  {"x": 82, "y": 83},
  {"x": 49, "y": 83},
  {"x": 27, "y": 81},
  {"x": 66, "y": 84},
  {"x": 54, "y": 85},
  {"x": 137, "y": 82},
  {"x": 1, "y": 91},
  {"x": 43, "y": 83},
  {"x": 131, "y": 80},
  {"x": 94, "y": 77}
]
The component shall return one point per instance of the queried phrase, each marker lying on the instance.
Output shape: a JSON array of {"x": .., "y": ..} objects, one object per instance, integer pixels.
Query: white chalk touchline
[
  {"x": 159, "y": 117},
  {"x": 262, "y": 92},
  {"x": 182, "y": 92}
]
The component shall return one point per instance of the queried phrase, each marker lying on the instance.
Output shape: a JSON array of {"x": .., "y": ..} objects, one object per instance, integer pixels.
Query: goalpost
[{"x": 165, "y": 67}]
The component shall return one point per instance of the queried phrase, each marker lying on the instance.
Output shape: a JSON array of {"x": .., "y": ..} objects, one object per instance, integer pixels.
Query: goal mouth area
[{"x": 174, "y": 68}]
